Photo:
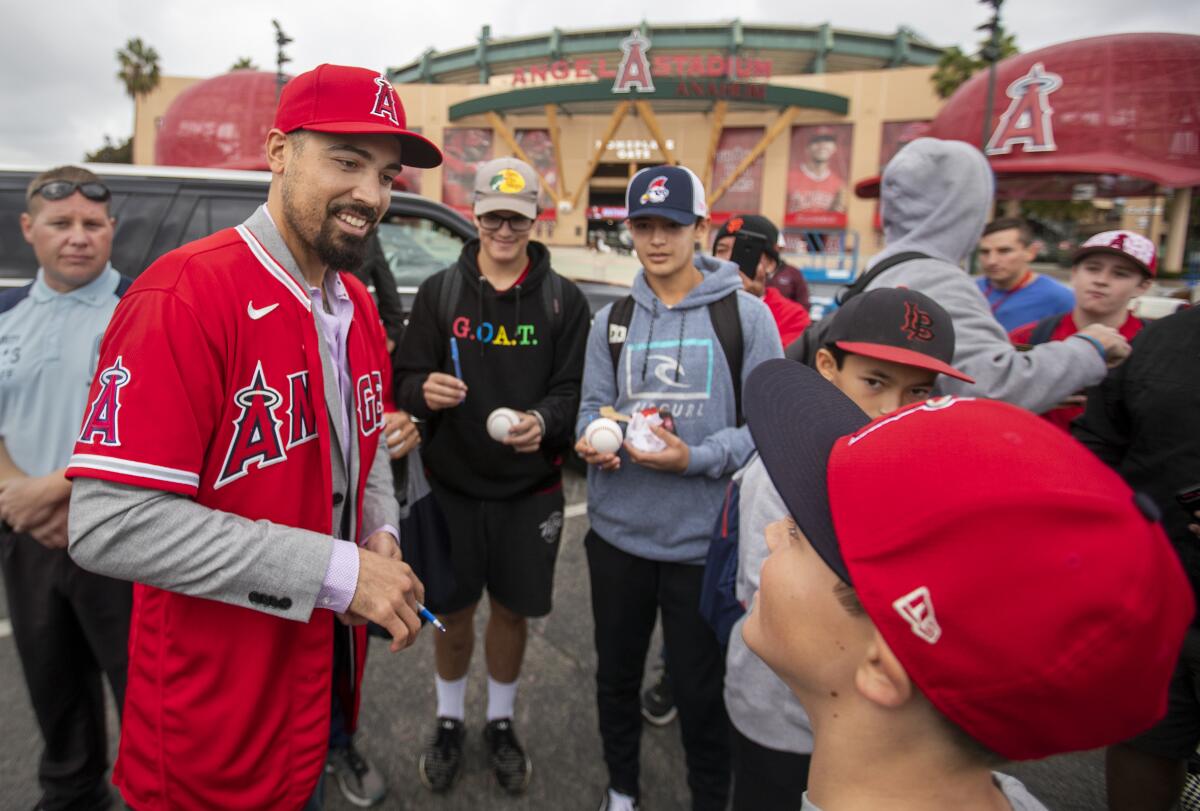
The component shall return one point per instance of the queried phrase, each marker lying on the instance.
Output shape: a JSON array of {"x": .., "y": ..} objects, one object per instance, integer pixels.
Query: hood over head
[{"x": 935, "y": 197}]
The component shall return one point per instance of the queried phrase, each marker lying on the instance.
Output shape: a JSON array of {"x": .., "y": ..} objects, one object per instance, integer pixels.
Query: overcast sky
[{"x": 59, "y": 95}]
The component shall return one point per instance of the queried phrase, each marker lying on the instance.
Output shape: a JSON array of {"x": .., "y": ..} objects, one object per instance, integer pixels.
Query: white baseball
[
  {"x": 604, "y": 435},
  {"x": 500, "y": 421}
]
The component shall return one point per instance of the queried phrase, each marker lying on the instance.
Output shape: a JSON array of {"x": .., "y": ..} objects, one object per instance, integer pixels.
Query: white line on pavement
[
  {"x": 5, "y": 628},
  {"x": 575, "y": 510}
]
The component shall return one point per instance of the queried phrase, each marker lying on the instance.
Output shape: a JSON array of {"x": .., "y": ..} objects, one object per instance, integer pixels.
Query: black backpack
[
  {"x": 451, "y": 288},
  {"x": 804, "y": 348},
  {"x": 727, "y": 324}
]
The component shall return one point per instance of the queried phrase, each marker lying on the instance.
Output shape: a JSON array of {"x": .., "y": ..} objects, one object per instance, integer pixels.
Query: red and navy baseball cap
[
  {"x": 1126, "y": 244},
  {"x": 898, "y": 325},
  {"x": 341, "y": 99},
  {"x": 755, "y": 223},
  {"x": 1029, "y": 594},
  {"x": 673, "y": 192}
]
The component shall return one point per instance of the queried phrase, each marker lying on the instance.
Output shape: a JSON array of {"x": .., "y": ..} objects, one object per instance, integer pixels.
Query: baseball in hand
[
  {"x": 500, "y": 421},
  {"x": 604, "y": 435}
]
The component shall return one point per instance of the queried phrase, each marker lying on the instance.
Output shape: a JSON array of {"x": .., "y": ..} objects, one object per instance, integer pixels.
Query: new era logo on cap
[
  {"x": 916, "y": 608},
  {"x": 673, "y": 192}
]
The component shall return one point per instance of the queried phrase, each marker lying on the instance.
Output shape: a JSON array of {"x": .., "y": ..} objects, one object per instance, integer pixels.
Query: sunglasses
[
  {"x": 494, "y": 222},
  {"x": 62, "y": 189}
]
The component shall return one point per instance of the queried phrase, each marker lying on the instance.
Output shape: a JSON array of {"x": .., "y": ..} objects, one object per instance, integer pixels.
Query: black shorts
[
  {"x": 508, "y": 546},
  {"x": 1177, "y": 735}
]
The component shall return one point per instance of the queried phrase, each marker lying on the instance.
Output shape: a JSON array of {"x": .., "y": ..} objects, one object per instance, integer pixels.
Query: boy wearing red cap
[
  {"x": 965, "y": 615},
  {"x": 1108, "y": 271},
  {"x": 232, "y": 462},
  {"x": 885, "y": 352}
]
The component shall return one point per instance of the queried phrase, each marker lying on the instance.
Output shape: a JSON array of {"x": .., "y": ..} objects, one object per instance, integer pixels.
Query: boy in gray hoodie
[
  {"x": 652, "y": 513},
  {"x": 934, "y": 199}
]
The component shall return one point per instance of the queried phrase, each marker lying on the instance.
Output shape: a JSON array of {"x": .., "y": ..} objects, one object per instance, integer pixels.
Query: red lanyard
[{"x": 1026, "y": 279}]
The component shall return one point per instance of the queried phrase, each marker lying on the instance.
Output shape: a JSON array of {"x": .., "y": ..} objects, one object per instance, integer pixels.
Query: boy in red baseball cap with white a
[
  {"x": 1108, "y": 271},
  {"x": 936, "y": 614}
]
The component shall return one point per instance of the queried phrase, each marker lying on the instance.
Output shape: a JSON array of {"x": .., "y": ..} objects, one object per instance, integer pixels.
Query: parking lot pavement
[{"x": 556, "y": 719}]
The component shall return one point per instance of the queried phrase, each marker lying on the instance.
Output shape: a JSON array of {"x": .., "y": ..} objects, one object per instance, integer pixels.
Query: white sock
[
  {"x": 619, "y": 802},
  {"x": 452, "y": 698},
  {"x": 501, "y": 698}
]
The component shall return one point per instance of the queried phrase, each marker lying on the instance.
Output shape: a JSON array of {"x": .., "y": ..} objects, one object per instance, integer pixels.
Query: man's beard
[
  {"x": 336, "y": 250},
  {"x": 341, "y": 251}
]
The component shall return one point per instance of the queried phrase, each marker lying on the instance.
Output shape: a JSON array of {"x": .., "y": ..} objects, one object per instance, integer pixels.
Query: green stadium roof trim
[{"x": 793, "y": 49}]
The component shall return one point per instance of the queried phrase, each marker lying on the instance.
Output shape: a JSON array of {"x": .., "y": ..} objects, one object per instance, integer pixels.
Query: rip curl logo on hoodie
[
  {"x": 669, "y": 370},
  {"x": 657, "y": 191},
  {"x": 1028, "y": 119}
]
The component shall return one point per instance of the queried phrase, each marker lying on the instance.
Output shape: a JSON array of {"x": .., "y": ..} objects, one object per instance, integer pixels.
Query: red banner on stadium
[
  {"x": 539, "y": 147},
  {"x": 744, "y": 195},
  {"x": 817, "y": 171},
  {"x": 465, "y": 150}
]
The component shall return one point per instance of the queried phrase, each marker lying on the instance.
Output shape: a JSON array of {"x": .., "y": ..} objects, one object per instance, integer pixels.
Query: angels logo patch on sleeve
[
  {"x": 101, "y": 423},
  {"x": 256, "y": 433}
]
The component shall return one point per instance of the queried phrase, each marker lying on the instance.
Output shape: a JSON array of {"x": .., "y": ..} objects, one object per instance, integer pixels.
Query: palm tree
[
  {"x": 138, "y": 70},
  {"x": 244, "y": 63}
]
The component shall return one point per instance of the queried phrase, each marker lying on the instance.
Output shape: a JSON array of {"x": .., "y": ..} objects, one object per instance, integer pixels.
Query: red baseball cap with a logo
[
  {"x": 1127, "y": 244},
  {"x": 338, "y": 98},
  {"x": 1028, "y": 592}
]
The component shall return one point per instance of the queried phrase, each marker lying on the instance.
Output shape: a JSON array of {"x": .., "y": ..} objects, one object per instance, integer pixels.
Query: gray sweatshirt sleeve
[
  {"x": 599, "y": 386},
  {"x": 171, "y": 542},
  {"x": 724, "y": 451},
  {"x": 380, "y": 507},
  {"x": 1037, "y": 380}
]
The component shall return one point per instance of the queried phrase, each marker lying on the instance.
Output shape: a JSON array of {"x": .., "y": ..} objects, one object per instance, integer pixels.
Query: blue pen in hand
[
  {"x": 427, "y": 615},
  {"x": 454, "y": 357}
]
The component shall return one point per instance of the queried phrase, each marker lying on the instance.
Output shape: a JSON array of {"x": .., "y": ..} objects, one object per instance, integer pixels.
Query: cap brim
[
  {"x": 796, "y": 416},
  {"x": 1082, "y": 252},
  {"x": 511, "y": 203},
  {"x": 868, "y": 188},
  {"x": 415, "y": 150},
  {"x": 672, "y": 214},
  {"x": 906, "y": 357}
]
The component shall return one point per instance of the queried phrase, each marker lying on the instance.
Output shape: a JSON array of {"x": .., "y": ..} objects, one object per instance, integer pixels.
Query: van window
[
  {"x": 16, "y": 255},
  {"x": 212, "y": 214},
  {"x": 139, "y": 216},
  {"x": 416, "y": 248}
]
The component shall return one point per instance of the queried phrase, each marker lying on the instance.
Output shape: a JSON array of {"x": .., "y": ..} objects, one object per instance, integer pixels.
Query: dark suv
[{"x": 159, "y": 208}]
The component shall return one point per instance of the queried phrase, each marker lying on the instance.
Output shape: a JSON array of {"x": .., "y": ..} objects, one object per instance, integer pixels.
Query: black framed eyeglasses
[
  {"x": 62, "y": 189},
  {"x": 493, "y": 222}
]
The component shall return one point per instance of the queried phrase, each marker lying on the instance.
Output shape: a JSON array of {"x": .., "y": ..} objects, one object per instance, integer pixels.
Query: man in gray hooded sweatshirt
[{"x": 935, "y": 197}]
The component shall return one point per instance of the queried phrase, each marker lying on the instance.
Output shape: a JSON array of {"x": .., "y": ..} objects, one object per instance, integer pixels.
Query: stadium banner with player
[
  {"x": 818, "y": 165},
  {"x": 464, "y": 149},
  {"x": 539, "y": 147},
  {"x": 744, "y": 196}
]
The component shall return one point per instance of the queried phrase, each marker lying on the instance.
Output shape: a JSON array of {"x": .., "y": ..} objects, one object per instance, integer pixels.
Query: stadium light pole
[
  {"x": 990, "y": 53},
  {"x": 281, "y": 58}
]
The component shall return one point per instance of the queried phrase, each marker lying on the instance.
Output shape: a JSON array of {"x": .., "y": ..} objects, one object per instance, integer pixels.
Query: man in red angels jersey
[
  {"x": 1109, "y": 271},
  {"x": 228, "y": 464}
]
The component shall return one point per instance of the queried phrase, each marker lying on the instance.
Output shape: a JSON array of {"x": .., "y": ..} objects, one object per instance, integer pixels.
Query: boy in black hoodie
[{"x": 498, "y": 329}]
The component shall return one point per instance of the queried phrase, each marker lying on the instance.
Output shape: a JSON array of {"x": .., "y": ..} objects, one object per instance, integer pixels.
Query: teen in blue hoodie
[{"x": 652, "y": 514}]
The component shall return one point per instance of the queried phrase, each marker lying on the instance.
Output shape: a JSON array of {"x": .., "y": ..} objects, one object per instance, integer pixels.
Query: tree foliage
[
  {"x": 112, "y": 152},
  {"x": 139, "y": 68},
  {"x": 955, "y": 67},
  {"x": 244, "y": 63}
]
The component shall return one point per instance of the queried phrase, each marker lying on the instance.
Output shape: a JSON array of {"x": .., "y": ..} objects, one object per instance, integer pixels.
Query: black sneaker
[
  {"x": 439, "y": 763},
  {"x": 658, "y": 702},
  {"x": 509, "y": 761},
  {"x": 360, "y": 782}
]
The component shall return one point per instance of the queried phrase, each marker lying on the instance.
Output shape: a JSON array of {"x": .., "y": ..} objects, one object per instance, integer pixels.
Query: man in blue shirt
[
  {"x": 69, "y": 625},
  {"x": 1016, "y": 294}
]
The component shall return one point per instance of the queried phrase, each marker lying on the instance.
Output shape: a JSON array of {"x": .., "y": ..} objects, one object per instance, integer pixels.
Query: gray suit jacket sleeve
[
  {"x": 380, "y": 507},
  {"x": 188, "y": 548},
  {"x": 1037, "y": 380}
]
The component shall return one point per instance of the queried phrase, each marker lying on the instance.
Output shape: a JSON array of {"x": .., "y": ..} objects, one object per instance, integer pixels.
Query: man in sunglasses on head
[
  {"x": 71, "y": 626},
  {"x": 497, "y": 329}
]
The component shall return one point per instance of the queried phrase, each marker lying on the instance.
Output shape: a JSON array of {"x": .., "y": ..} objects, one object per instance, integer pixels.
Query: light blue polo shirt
[{"x": 49, "y": 348}]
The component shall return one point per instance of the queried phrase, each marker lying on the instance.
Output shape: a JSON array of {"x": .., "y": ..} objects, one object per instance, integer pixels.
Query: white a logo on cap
[
  {"x": 916, "y": 608},
  {"x": 385, "y": 101}
]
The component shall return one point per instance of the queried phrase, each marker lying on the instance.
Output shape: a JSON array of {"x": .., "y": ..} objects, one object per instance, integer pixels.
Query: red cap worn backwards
[
  {"x": 1028, "y": 592},
  {"x": 337, "y": 98}
]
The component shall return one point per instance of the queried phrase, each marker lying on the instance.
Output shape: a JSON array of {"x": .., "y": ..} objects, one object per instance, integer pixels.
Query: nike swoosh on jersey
[{"x": 256, "y": 313}]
